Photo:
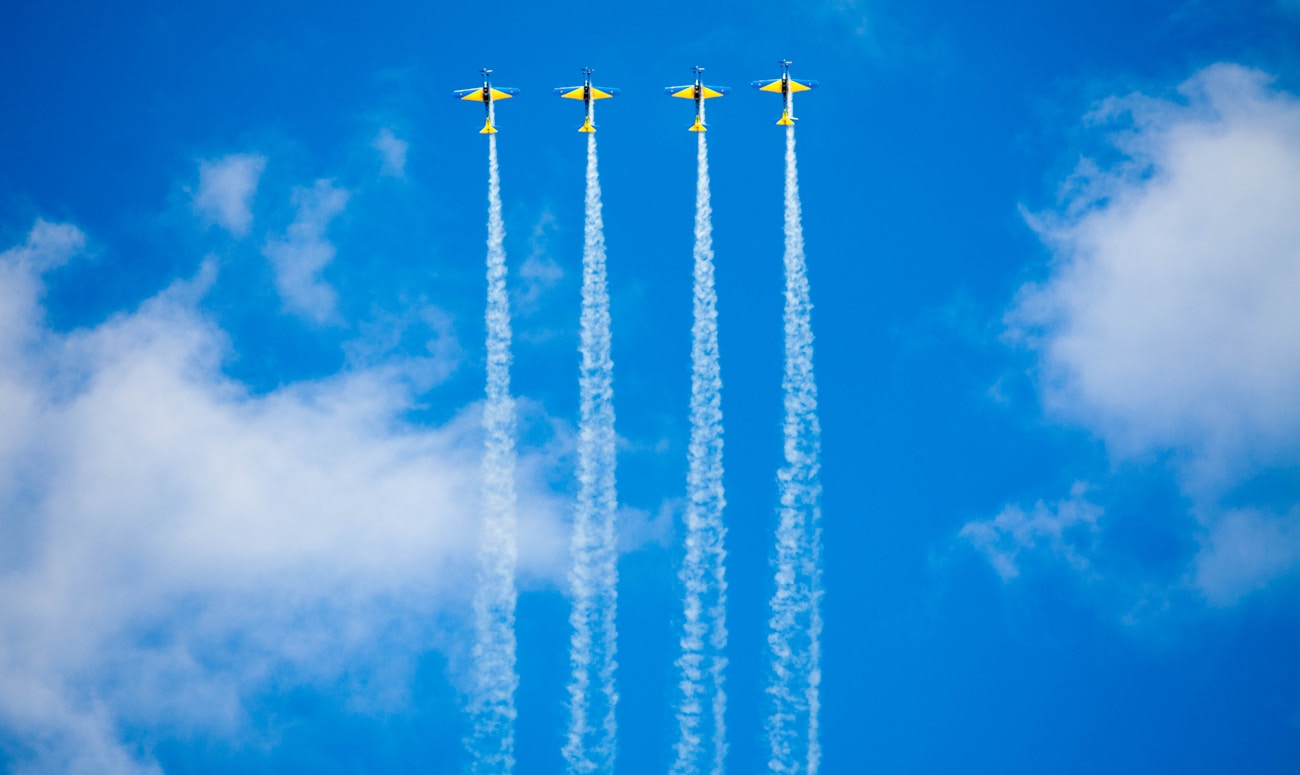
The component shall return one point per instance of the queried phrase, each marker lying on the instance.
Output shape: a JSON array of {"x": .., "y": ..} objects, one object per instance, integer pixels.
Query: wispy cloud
[
  {"x": 226, "y": 189},
  {"x": 174, "y": 543},
  {"x": 392, "y": 151},
  {"x": 48, "y": 245},
  {"x": 1246, "y": 550},
  {"x": 855, "y": 15},
  {"x": 539, "y": 272},
  {"x": 1063, "y": 530},
  {"x": 1169, "y": 324},
  {"x": 299, "y": 256},
  {"x": 389, "y": 339}
]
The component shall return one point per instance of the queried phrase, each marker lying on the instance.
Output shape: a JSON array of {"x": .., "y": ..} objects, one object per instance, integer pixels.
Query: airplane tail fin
[
  {"x": 488, "y": 129},
  {"x": 587, "y": 127},
  {"x": 698, "y": 126},
  {"x": 785, "y": 119}
]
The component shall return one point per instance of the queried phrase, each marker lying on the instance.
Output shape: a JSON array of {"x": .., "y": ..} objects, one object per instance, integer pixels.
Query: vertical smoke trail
[
  {"x": 704, "y": 637},
  {"x": 594, "y": 574},
  {"x": 493, "y": 705},
  {"x": 796, "y": 623}
]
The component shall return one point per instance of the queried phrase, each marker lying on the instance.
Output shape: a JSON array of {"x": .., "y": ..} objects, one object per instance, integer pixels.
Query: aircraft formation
[{"x": 697, "y": 91}]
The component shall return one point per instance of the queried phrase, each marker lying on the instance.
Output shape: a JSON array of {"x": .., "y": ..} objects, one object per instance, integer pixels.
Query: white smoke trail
[
  {"x": 594, "y": 573},
  {"x": 703, "y": 659},
  {"x": 795, "y": 638},
  {"x": 493, "y": 704}
]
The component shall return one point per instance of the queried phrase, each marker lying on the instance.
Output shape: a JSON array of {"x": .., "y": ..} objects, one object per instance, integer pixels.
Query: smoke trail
[
  {"x": 795, "y": 639},
  {"x": 493, "y": 705},
  {"x": 594, "y": 574},
  {"x": 703, "y": 659}
]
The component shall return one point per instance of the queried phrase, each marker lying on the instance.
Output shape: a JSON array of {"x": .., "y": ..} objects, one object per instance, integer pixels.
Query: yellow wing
[{"x": 497, "y": 94}]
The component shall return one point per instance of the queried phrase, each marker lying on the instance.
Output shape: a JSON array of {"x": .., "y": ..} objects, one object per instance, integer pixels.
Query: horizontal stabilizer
[
  {"x": 488, "y": 129},
  {"x": 587, "y": 127},
  {"x": 698, "y": 126},
  {"x": 785, "y": 119}
]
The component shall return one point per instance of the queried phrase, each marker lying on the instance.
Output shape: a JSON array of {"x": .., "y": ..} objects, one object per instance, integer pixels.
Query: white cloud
[
  {"x": 392, "y": 151},
  {"x": 303, "y": 252},
  {"x": 226, "y": 189},
  {"x": 638, "y": 528},
  {"x": 1170, "y": 320},
  {"x": 1052, "y": 532},
  {"x": 1170, "y": 323},
  {"x": 48, "y": 246},
  {"x": 175, "y": 545},
  {"x": 1245, "y": 551}
]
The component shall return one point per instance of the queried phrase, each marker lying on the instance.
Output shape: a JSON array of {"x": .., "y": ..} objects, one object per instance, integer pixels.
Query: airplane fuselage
[
  {"x": 699, "y": 107},
  {"x": 487, "y": 106}
]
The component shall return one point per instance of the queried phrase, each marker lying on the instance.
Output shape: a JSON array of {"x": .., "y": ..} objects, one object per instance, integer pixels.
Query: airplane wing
[
  {"x": 575, "y": 92},
  {"x": 688, "y": 92},
  {"x": 476, "y": 95},
  {"x": 774, "y": 85}
]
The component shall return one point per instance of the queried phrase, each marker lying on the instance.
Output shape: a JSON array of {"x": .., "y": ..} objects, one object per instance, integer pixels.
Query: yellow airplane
[
  {"x": 587, "y": 93},
  {"x": 486, "y": 94},
  {"x": 786, "y": 86},
  {"x": 698, "y": 92}
]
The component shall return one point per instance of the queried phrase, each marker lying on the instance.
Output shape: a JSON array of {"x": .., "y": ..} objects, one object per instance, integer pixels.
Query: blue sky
[{"x": 1053, "y": 253}]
